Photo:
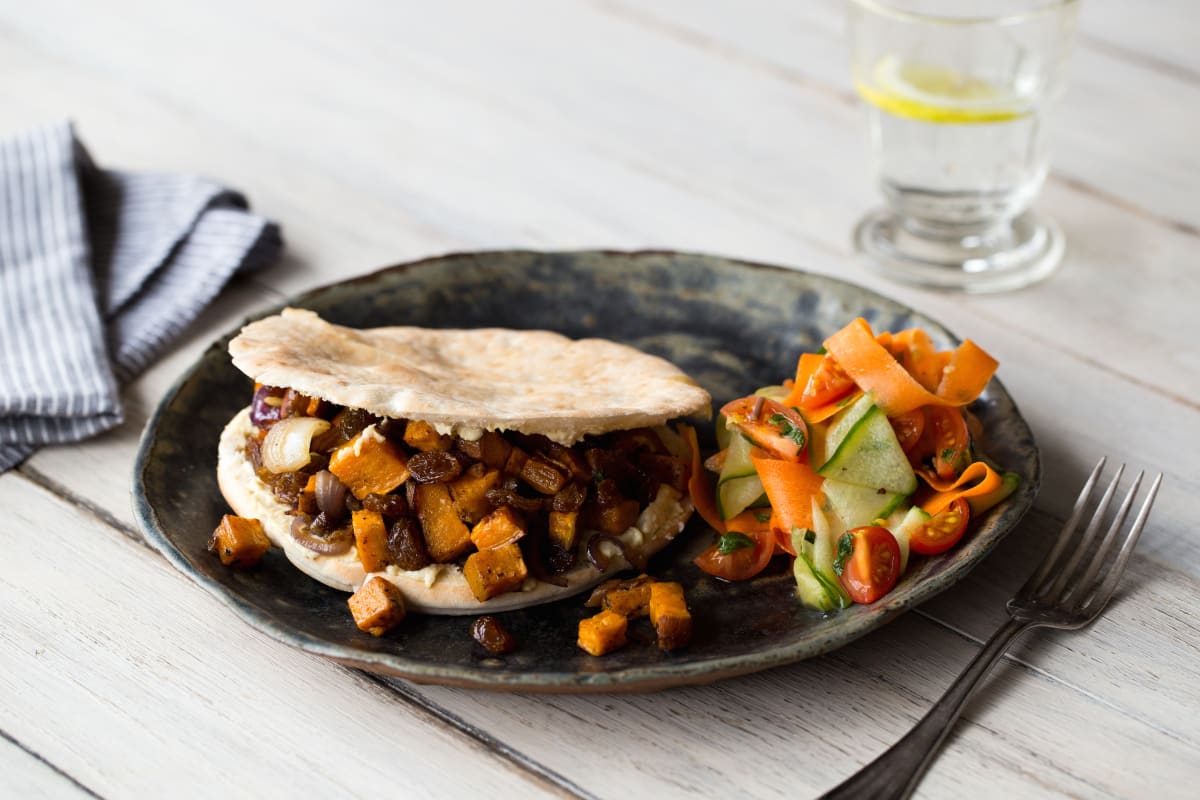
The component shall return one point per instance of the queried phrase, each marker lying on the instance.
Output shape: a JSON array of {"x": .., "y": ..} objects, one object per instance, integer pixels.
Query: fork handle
[{"x": 895, "y": 774}]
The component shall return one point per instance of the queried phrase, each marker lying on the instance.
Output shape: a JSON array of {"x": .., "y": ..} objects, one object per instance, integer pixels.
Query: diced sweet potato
[
  {"x": 239, "y": 541},
  {"x": 596, "y": 598},
  {"x": 616, "y": 519},
  {"x": 515, "y": 461},
  {"x": 470, "y": 493},
  {"x": 371, "y": 539},
  {"x": 369, "y": 464},
  {"x": 632, "y": 602},
  {"x": 670, "y": 616},
  {"x": 564, "y": 529},
  {"x": 446, "y": 537},
  {"x": 502, "y": 526},
  {"x": 602, "y": 633},
  {"x": 494, "y": 449},
  {"x": 423, "y": 436},
  {"x": 495, "y": 571},
  {"x": 307, "y": 501},
  {"x": 377, "y": 607}
]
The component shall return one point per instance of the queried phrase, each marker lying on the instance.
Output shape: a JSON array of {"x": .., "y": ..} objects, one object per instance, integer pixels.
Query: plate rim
[{"x": 644, "y": 678}]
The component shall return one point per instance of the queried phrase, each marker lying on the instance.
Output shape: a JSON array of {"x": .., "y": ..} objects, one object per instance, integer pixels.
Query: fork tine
[
  {"x": 1068, "y": 530},
  {"x": 1099, "y": 598},
  {"x": 1059, "y": 581},
  {"x": 1098, "y": 558}
]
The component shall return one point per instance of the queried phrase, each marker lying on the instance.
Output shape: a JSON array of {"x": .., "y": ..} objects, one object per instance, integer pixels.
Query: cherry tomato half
[
  {"x": 909, "y": 427},
  {"x": 947, "y": 434},
  {"x": 828, "y": 383},
  {"x": 741, "y": 563},
  {"x": 868, "y": 563},
  {"x": 772, "y": 426},
  {"x": 943, "y": 531}
]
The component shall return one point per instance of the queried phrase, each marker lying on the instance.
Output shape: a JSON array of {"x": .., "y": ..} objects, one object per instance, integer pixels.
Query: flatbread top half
[{"x": 486, "y": 378}]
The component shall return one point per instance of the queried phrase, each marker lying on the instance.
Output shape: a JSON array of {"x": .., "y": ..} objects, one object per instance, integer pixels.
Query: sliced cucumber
[
  {"x": 816, "y": 589},
  {"x": 736, "y": 495},
  {"x": 816, "y": 583},
  {"x": 915, "y": 518},
  {"x": 738, "y": 486},
  {"x": 838, "y": 428},
  {"x": 856, "y": 505},
  {"x": 864, "y": 450}
]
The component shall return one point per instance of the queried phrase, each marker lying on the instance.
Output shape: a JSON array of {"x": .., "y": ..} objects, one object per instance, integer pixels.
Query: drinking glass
[{"x": 957, "y": 94}]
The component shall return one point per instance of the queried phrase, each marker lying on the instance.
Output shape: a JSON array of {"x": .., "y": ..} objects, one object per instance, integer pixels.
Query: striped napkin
[{"x": 99, "y": 271}]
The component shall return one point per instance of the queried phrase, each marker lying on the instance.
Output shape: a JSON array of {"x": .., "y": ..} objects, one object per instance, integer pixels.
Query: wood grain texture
[
  {"x": 131, "y": 679},
  {"x": 25, "y": 775},
  {"x": 378, "y": 133}
]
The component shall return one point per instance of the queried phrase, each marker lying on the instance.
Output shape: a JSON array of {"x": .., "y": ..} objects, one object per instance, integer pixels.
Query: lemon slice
[{"x": 933, "y": 93}]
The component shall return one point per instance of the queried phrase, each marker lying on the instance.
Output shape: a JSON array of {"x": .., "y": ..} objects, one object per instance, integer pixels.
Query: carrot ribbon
[{"x": 875, "y": 369}]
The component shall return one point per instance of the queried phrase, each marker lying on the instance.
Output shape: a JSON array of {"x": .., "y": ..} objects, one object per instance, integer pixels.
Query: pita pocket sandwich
[{"x": 474, "y": 470}]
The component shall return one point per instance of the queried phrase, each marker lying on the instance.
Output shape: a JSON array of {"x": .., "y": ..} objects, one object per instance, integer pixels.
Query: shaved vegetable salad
[{"x": 866, "y": 456}]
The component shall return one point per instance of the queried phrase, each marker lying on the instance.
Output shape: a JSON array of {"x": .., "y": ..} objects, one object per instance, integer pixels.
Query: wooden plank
[
  {"x": 130, "y": 678},
  {"x": 797, "y": 731},
  {"x": 24, "y": 775},
  {"x": 1161, "y": 35},
  {"x": 1106, "y": 242},
  {"x": 1092, "y": 133}
]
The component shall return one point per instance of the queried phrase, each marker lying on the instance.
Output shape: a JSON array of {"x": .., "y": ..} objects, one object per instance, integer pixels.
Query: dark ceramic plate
[{"x": 732, "y": 325}]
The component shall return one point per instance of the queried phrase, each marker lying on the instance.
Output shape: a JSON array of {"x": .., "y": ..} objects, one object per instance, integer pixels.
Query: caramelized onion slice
[
  {"x": 336, "y": 544},
  {"x": 288, "y": 444},
  {"x": 595, "y": 550},
  {"x": 330, "y": 495}
]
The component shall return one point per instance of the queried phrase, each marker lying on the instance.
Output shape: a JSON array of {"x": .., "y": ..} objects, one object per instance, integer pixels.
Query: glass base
[{"x": 1021, "y": 253}]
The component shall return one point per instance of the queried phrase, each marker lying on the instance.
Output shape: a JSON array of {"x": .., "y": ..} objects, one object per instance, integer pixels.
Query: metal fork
[{"x": 1071, "y": 587}]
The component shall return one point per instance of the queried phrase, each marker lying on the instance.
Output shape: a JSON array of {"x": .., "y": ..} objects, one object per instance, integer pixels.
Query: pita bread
[
  {"x": 440, "y": 588},
  {"x": 534, "y": 382}
]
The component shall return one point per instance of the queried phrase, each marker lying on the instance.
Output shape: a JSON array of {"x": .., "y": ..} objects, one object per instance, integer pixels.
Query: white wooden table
[{"x": 382, "y": 132}]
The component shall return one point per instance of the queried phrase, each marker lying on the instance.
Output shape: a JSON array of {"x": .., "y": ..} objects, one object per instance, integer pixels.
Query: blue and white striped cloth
[{"x": 99, "y": 271}]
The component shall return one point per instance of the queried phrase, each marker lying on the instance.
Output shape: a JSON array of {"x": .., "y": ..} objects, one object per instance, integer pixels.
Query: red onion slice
[
  {"x": 331, "y": 496},
  {"x": 337, "y": 544}
]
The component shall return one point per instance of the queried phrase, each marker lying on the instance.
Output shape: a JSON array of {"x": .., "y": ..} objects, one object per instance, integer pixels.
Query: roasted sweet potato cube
[
  {"x": 494, "y": 449},
  {"x": 446, "y": 537},
  {"x": 423, "y": 436},
  {"x": 596, "y": 598},
  {"x": 239, "y": 541},
  {"x": 502, "y": 526},
  {"x": 515, "y": 461},
  {"x": 369, "y": 464},
  {"x": 564, "y": 529},
  {"x": 470, "y": 493},
  {"x": 632, "y": 602},
  {"x": 670, "y": 616},
  {"x": 306, "y": 502},
  {"x": 602, "y": 633},
  {"x": 371, "y": 539},
  {"x": 615, "y": 520},
  {"x": 495, "y": 571},
  {"x": 378, "y": 606}
]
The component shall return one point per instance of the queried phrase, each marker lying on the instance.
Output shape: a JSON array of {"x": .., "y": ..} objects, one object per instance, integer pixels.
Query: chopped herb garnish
[
  {"x": 821, "y": 350},
  {"x": 948, "y": 454},
  {"x": 598, "y": 475},
  {"x": 762, "y": 516},
  {"x": 788, "y": 429},
  {"x": 844, "y": 551},
  {"x": 733, "y": 541}
]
